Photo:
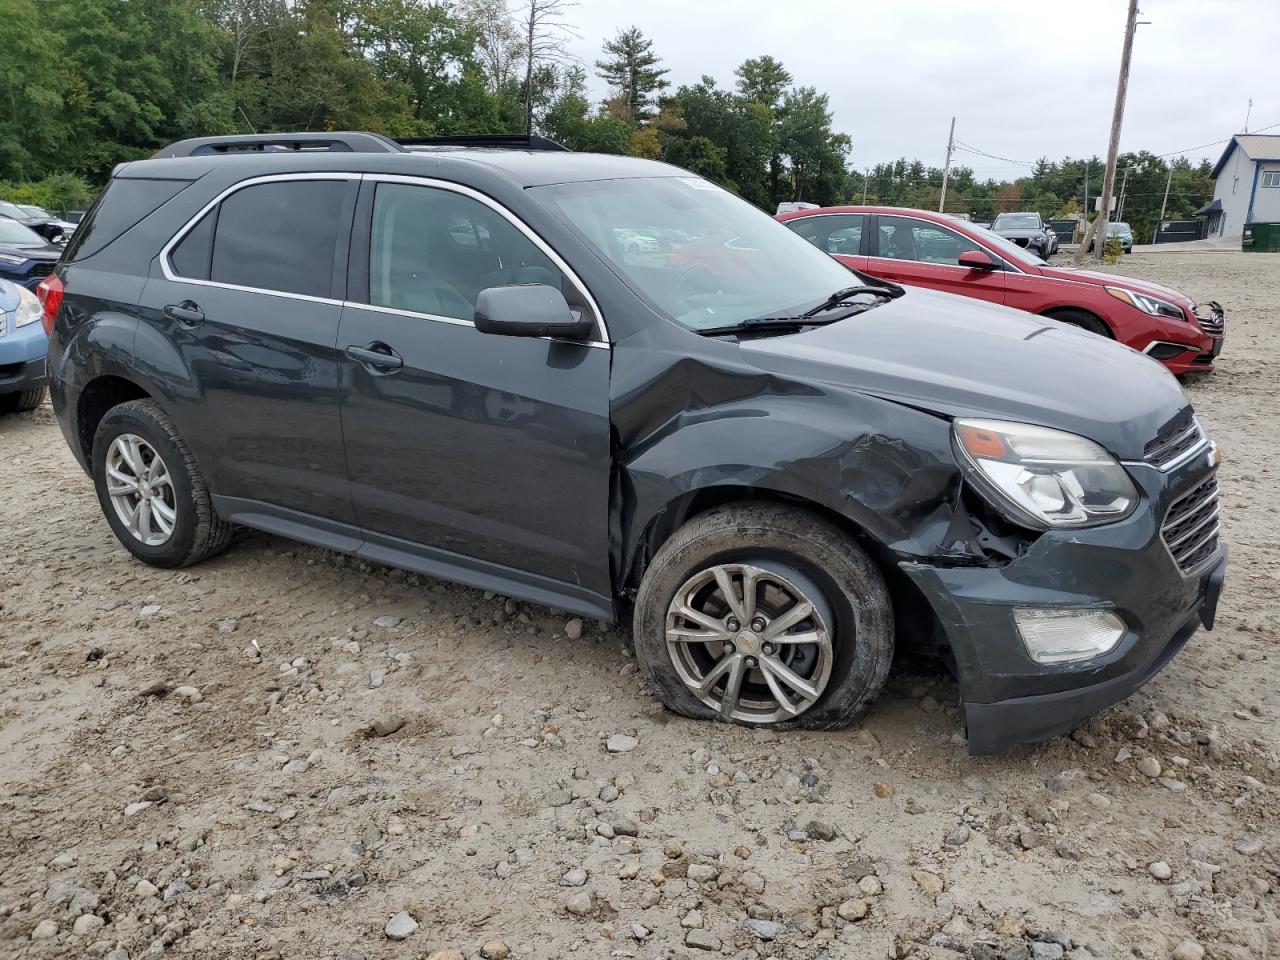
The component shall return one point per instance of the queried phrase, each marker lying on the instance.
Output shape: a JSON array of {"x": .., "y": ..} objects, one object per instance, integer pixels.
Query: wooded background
[{"x": 85, "y": 84}]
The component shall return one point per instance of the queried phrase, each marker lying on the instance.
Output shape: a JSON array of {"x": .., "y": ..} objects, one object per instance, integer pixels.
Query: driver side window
[
  {"x": 905, "y": 238},
  {"x": 432, "y": 251}
]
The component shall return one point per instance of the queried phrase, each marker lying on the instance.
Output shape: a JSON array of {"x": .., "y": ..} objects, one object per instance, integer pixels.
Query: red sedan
[{"x": 933, "y": 250}]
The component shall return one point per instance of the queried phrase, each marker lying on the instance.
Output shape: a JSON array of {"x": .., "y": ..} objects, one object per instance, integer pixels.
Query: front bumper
[
  {"x": 1124, "y": 567},
  {"x": 22, "y": 356}
]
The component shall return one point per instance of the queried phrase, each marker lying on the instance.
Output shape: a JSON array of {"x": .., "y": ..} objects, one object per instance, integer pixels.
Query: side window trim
[
  {"x": 166, "y": 264},
  {"x": 358, "y": 271}
]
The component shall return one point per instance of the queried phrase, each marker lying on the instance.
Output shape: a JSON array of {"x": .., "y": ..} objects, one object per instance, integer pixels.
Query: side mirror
[
  {"x": 529, "y": 310},
  {"x": 977, "y": 260}
]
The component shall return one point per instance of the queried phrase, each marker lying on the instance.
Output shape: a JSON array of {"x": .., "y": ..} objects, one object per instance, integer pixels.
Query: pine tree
[{"x": 631, "y": 68}]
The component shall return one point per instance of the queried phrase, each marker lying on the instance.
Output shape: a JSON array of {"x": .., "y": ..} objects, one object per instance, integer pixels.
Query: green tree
[
  {"x": 32, "y": 90},
  {"x": 631, "y": 68}
]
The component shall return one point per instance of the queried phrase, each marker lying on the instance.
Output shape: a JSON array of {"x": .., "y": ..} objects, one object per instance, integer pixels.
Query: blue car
[
  {"x": 23, "y": 345},
  {"x": 26, "y": 257}
]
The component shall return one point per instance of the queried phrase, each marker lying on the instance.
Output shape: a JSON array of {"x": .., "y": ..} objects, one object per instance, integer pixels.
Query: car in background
[
  {"x": 40, "y": 213},
  {"x": 790, "y": 206},
  {"x": 23, "y": 345},
  {"x": 46, "y": 226},
  {"x": 1026, "y": 230},
  {"x": 26, "y": 258},
  {"x": 1122, "y": 232},
  {"x": 920, "y": 248}
]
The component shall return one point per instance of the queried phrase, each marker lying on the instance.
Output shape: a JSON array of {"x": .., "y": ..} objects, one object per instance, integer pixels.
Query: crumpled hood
[
  {"x": 957, "y": 356},
  {"x": 1114, "y": 280},
  {"x": 46, "y": 251},
  {"x": 1027, "y": 234}
]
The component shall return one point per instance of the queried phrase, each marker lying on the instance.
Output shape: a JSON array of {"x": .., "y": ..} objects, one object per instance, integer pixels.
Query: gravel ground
[{"x": 285, "y": 753}]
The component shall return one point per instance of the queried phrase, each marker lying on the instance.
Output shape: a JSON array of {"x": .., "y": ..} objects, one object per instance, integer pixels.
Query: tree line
[{"x": 90, "y": 83}]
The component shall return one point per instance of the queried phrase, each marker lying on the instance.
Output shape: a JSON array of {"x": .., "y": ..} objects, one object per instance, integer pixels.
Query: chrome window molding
[{"x": 166, "y": 265}]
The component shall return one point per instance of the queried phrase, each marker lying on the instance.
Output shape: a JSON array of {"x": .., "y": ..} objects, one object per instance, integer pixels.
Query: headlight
[
  {"x": 7, "y": 258},
  {"x": 1147, "y": 304},
  {"x": 1044, "y": 478},
  {"x": 29, "y": 310}
]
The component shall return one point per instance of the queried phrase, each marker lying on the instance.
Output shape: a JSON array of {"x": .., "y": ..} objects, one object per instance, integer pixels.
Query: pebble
[
  {"x": 701, "y": 940},
  {"x": 871, "y": 886},
  {"x": 1149, "y": 767},
  {"x": 385, "y": 726},
  {"x": 579, "y": 904},
  {"x": 853, "y": 910},
  {"x": 764, "y": 929},
  {"x": 495, "y": 949},
  {"x": 87, "y": 924},
  {"x": 930, "y": 883},
  {"x": 1099, "y": 800},
  {"x": 573, "y": 629},
  {"x": 1250, "y": 847},
  {"x": 146, "y": 888},
  {"x": 376, "y": 676},
  {"x": 621, "y": 743},
  {"x": 1046, "y": 951},
  {"x": 883, "y": 789},
  {"x": 958, "y": 837},
  {"x": 702, "y": 872},
  {"x": 387, "y": 622},
  {"x": 134, "y": 809},
  {"x": 1176, "y": 786},
  {"x": 189, "y": 694},
  {"x": 446, "y": 954},
  {"x": 44, "y": 930},
  {"x": 1188, "y": 950},
  {"x": 640, "y": 931},
  {"x": 227, "y": 625},
  {"x": 1160, "y": 870},
  {"x": 401, "y": 926},
  {"x": 575, "y": 877}
]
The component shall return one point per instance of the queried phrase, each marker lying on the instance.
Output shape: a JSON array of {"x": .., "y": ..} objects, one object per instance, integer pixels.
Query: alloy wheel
[
  {"x": 141, "y": 490},
  {"x": 752, "y": 643}
]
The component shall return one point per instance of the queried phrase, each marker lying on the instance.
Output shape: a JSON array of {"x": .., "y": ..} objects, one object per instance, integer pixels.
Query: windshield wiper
[
  {"x": 760, "y": 323},
  {"x": 884, "y": 288}
]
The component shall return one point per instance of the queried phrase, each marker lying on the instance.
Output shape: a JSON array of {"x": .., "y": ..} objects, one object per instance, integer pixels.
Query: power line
[{"x": 1215, "y": 143}]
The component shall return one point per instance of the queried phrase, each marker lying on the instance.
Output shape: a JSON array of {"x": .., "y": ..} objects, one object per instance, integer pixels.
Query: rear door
[
  {"x": 926, "y": 254},
  {"x": 242, "y": 316},
  {"x": 487, "y": 454},
  {"x": 842, "y": 235}
]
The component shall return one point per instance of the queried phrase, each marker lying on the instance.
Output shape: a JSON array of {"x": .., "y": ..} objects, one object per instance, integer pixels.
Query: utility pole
[
  {"x": 865, "y": 178},
  {"x": 1113, "y": 149},
  {"x": 1124, "y": 188},
  {"x": 946, "y": 167},
  {"x": 1247, "y": 114},
  {"x": 1163, "y": 203}
]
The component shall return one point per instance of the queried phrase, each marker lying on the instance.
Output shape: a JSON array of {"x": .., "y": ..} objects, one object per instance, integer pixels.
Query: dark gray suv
[{"x": 449, "y": 357}]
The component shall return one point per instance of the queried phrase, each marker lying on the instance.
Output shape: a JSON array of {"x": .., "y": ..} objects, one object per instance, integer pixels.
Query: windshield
[
  {"x": 1120, "y": 228},
  {"x": 33, "y": 211},
  {"x": 697, "y": 253},
  {"x": 8, "y": 209},
  {"x": 13, "y": 232},
  {"x": 1017, "y": 221},
  {"x": 1008, "y": 249}
]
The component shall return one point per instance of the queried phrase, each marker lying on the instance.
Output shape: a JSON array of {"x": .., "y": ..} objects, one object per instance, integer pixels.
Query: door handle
[
  {"x": 377, "y": 355},
  {"x": 186, "y": 313}
]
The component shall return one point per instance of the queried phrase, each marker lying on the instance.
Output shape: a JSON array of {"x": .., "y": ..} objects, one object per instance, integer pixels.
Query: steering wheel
[{"x": 692, "y": 272}]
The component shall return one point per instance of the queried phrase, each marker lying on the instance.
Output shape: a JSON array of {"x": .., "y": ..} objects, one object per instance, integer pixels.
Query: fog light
[{"x": 1065, "y": 634}]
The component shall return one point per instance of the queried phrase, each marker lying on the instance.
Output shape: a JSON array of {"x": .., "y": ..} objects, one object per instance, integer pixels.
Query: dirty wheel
[
  {"x": 764, "y": 614},
  {"x": 151, "y": 490}
]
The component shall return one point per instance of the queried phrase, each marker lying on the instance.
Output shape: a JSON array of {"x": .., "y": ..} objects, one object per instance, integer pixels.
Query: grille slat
[
  {"x": 1211, "y": 318},
  {"x": 1176, "y": 445},
  {"x": 1192, "y": 526}
]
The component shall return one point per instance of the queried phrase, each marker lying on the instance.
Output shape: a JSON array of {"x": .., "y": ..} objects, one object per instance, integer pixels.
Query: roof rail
[
  {"x": 518, "y": 141},
  {"x": 340, "y": 142}
]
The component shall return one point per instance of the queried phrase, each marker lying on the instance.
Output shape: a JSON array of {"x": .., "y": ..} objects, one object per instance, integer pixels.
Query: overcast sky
[{"x": 1024, "y": 78}]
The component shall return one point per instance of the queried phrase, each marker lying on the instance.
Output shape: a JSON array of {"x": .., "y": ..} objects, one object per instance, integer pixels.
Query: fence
[{"x": 1180, "y": 231}]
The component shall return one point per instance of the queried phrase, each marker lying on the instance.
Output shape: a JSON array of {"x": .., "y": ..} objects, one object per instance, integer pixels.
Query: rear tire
[
  {"x": 23, "y": 402},
  {"x": 793, "y": 559},
  {"x": 1083, "y": 320},
  {"x": 137, "y": 445}
]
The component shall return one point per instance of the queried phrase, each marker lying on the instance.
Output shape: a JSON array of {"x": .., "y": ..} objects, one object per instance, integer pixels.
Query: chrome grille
[
  {"x": 1211, "y": 317},
  {"x": 1176, "y": 445},
  {"x": 1191, "y": 526}
]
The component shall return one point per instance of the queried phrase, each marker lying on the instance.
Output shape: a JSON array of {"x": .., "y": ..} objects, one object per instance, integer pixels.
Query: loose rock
[{"x": 401, "y": 926}]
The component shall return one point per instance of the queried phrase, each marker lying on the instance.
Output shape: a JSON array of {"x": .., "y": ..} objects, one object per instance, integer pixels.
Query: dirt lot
[{"x": 186, "y": 765}]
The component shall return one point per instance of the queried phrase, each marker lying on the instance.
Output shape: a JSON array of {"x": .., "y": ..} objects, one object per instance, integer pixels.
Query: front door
[
  {"x": 926, "y": 254},
  {"x": 478, "y": 451},
  {"x": 244, "y": 313}
]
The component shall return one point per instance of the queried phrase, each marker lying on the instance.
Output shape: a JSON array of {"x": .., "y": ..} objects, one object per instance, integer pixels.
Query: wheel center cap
[
  {"x": 747, "y": 641},
  {"x": 144, "y": 489}
]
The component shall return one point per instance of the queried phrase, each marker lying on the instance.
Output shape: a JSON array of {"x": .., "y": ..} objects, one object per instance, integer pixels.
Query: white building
[{"x": 1246, "y": 185}]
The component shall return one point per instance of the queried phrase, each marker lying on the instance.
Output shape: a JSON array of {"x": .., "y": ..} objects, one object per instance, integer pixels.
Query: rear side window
[
  {"x": 124, "y": 203},
  {"x": 834, "y": 233},
  {"x": 278, "y": 236}
]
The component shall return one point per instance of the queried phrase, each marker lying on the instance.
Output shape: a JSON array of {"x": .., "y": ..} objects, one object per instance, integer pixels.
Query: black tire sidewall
[
  {"x": 135, "y": 418},
  {"x": 850, "y": 583}
]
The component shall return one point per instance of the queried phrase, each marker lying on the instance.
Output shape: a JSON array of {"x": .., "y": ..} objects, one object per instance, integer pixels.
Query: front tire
[
  {"x": 765, "y": 615},
  {"x": 1083, "y": 320},
  {"x": 23, "y": 402},
  {"x": 151, "y": 490}
]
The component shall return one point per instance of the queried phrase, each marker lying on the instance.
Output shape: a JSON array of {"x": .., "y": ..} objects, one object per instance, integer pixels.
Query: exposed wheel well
[
  {"x": 1080, "y": 317},
  {"x": 917, "y": 626},
  {"x": 99, "y": 396}
]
